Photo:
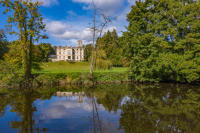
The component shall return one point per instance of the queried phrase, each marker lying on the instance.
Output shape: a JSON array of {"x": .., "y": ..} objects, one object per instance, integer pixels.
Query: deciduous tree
[
  {"x": 29, "y": 22},
  {"x": 3, "y": 44},
  {"x": 163, "y": 40}
]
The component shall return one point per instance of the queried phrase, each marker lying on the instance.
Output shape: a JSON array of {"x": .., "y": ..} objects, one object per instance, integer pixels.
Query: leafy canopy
[{"x": 163, "y": 40}]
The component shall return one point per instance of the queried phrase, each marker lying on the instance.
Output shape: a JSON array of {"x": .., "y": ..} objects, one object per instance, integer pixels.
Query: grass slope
[{"x": 66, "y": 67}]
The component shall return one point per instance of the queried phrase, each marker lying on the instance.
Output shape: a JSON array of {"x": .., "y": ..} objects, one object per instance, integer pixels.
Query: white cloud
[
  {"x": 83, "y": 34},
  {"x": 56, "y": 27},
  {"x": 107, "y": 6},
  {"x": 64, "y": 108},
  {"x": 67, "y": 31},
  {"x": 120, "y": 21},
  {"x": 46, "y": 2},
  {"x": 116, "y": 8}
]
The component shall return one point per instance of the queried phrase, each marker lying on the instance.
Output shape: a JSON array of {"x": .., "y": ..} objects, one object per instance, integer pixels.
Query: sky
[{"x": 70, "y": 20}]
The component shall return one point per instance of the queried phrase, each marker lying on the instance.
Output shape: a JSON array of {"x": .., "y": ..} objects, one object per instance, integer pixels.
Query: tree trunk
[
  {"x": 27, "y": 52},
  {"x": 93, "y": 44},
  {"x": 27, "y": 60}
]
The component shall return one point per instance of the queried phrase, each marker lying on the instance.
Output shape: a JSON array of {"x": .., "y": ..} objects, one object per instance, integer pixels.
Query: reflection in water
[
  {"x": 153, "y": 110},
  {"x": 21, "y": 102},
  {"x": 161, "y": 108},
  {"x": 71, "y": 94}
]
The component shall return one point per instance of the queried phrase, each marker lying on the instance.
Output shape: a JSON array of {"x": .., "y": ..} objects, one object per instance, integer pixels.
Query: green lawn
[{"x": 66, "y": 67}]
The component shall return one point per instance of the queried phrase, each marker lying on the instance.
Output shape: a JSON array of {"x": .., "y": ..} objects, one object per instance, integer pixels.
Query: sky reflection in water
[{"x": 103, "y": 109}]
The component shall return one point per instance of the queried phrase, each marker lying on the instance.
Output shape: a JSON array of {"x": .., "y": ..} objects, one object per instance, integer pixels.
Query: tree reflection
[
  {"x": 110, "y": 96},
  {"x": 3, "y": 103},
  {"x": 158, "y": 109},
  {"x": 162, "y": 108},
  {"x": 22, "y": 102}
]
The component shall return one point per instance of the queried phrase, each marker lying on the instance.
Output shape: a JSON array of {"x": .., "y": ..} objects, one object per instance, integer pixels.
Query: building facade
[{"x": 64, "y": 53}]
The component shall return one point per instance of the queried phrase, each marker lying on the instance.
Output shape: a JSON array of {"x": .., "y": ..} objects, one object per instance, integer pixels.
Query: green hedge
[{"x": 78, "y": 77}]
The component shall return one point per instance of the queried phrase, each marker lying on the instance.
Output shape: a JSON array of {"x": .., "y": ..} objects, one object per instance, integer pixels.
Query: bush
[
  {"x": 167, "y": 67},
  {"x": 10, "y": 73},
  {"x": 103, "y": 64}
]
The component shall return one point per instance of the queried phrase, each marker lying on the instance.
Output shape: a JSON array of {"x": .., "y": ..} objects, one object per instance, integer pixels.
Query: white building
[{"x": 65, "y": 53}]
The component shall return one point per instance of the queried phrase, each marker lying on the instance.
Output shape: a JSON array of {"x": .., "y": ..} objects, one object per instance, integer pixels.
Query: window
[
  {"x": 69, "y": 57},
  {"x": 69, "y": 52}
]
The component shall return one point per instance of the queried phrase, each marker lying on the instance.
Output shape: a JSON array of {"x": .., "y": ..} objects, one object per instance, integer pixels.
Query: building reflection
[
  {"x": 80, "y": 95},
  {"x": 143, "y": 109}
]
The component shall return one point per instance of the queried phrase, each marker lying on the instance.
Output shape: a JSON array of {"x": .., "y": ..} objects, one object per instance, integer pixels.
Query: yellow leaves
[
  {"x": 26, "y": 16},
  {"x": 180, "y": 45},
  {"x": 165, "y": 45}
]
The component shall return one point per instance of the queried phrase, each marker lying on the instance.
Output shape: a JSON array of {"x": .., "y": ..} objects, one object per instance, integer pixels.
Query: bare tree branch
[{"x": 95, "y": 29}]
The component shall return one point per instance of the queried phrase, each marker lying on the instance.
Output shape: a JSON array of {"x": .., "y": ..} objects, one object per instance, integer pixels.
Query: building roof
[{"x": 69, "y": 47}]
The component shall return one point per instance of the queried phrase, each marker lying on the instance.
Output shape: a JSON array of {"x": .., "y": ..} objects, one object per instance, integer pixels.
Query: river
[{"x": 125, "y": 108}]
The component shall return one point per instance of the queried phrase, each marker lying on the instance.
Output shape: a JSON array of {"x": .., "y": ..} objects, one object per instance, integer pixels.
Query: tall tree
[
  {"x": 163, "y": 40},
  {"x": 97, "y": 30},
  {"x": 109, "y": 42},
  {"x": 3, "y": 44},
  {"x": 88, "y": 52},
  {"x": 27, "y": 18}
]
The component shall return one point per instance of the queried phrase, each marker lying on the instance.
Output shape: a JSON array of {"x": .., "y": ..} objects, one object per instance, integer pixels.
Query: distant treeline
[
  {"x": 11, "y": 57},
  {"x": 11, "y": 51},
  {"x": 110, "y": 50}
]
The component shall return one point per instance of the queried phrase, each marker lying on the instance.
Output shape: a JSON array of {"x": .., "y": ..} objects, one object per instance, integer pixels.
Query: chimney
[{"x": 80, "y": 43}]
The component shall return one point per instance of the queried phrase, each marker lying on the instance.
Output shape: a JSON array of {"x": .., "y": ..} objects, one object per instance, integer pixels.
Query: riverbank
[
  {"x": 80, "y": 78},
  {"x": 59, "y": 73},
  {"x": 77, "y": 73}
]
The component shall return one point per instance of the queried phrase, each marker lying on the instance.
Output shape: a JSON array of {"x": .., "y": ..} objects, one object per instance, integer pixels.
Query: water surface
[{"x": 164, "y": 108}]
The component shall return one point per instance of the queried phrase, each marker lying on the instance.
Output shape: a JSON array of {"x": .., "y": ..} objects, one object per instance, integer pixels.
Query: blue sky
[{"x": 70, "y": 20}]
